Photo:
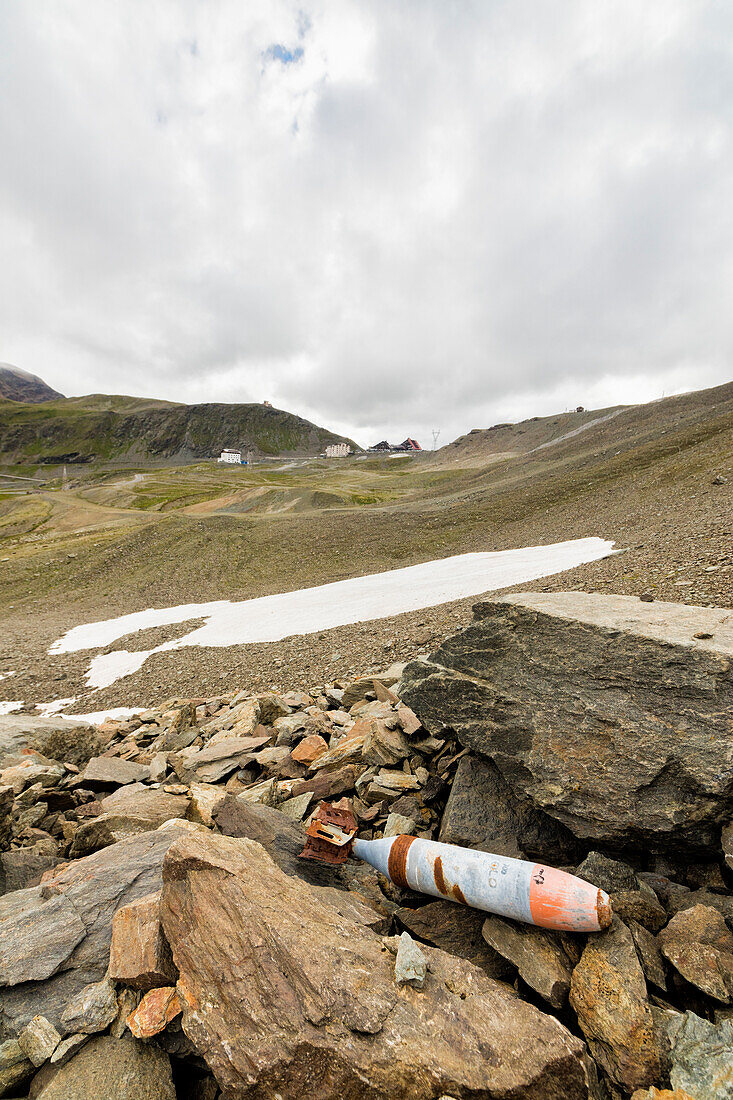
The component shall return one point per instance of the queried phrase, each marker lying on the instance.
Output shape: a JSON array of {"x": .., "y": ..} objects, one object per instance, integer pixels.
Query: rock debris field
[{"x": 160, "y": 937}]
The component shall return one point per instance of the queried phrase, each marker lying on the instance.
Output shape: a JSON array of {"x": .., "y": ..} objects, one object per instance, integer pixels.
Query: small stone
[
  {"x": 397, "y": 825},
  {"x": 127, "y": 1002},
  {"x": 410, "y": 963},
  {"x": 93, "y": 1009},
  {"x": 204, "y": 798},
  {"x": 155, "y": 1012},
  {"x": 296, "y": 808},
  {"x": 158, "y": 767},
  {"x": 649, "y": 954},
  {"x": 309, "y": 749},
  {"x": 38, "y": 1040},
  {"x": 67, "y": 1048}
]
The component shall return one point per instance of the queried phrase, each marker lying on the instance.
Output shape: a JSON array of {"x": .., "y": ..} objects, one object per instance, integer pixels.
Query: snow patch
[
  {"x": 8, "y": 706},
  {"x": 309, "y": 610}
]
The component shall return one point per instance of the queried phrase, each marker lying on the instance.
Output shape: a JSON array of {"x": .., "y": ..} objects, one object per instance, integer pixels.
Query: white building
[
  {"x": 228, "y": 455},
  {"x": 338, "y": 450}
]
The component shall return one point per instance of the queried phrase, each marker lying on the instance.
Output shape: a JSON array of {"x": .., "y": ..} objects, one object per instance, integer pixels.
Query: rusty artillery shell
[{"x": 516, "y": 888}]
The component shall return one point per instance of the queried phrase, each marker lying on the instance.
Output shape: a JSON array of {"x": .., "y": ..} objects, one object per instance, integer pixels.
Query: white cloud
[{"x": 386, "y": 216}]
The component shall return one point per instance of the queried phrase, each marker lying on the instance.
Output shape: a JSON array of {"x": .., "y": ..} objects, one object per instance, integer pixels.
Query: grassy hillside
[{"x": 100, "y": 428}]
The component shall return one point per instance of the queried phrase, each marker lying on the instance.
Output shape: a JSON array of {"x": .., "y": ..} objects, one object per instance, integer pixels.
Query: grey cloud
[{"x": 435, "y": 216}]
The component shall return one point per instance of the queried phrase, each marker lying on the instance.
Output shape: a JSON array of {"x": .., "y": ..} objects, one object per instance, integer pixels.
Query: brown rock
[
  {"x": 383, "y": 745},
  {"x": 284, "y": 996},
  {"x": 330, "y": 784},
  {"x": 661, "y": 1094},
  {"x": 608, "y": 994},
  {"x": 649, "y": 954},
  {"x": 457, "y": 930},
  {"x": 204, "y": 798},
  {"x": 699, "y": 945},
  {"x": 139, "y": 954},
  {"x": 155, "y": 1012},
  {"x": 112, "y": 771},
  {"x": 309, "y": 749},
  {"x": 347, "y": 751}
]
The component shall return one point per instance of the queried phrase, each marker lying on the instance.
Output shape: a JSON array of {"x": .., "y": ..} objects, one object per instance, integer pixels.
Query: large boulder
[
  {"x": 283, "y": 996},
  {"x": 612, "y": 715},
  {"x": 59, "y": 738},
  {"x": 110, "y": 1069},
  {"x": 55, "y": 938}
]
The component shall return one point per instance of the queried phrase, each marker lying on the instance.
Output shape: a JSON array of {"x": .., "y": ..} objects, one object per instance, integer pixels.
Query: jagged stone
[
  {"x": 608, "y": 995},
  {"x": 545, "y": 960},
  {"x": 699, "y": 945},
  {"x": 139, "y": 954},
  {"x": 92, "y": 1009},
  {"x": 38, "y": 1040},
  {"x": 338, "y": 1025},
  {"x": 457, "y": 930},
  {"x": 23, "y": 867},
  {"x": 649, "y": 954},
  {"x": 410, "y": 964},
  {"x": 111, "y": 771},
  {"x": 156, "y": 1010},
  {"x": 601, "y": 709},
  {"x": 15, "y": 1066}
]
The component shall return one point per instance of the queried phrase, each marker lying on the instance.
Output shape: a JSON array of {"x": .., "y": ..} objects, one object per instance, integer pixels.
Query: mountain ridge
[{"x": 22, "y": 386}]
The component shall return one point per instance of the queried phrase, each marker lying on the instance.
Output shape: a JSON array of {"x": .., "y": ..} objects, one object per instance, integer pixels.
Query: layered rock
[{"x": 611, "y": 715}]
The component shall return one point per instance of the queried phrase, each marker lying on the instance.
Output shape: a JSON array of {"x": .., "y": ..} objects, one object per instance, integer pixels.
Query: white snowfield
[{"x": 308, "y": 610}]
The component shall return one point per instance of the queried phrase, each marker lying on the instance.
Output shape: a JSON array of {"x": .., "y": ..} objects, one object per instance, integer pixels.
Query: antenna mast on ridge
[{"x": 436, "y": 433}]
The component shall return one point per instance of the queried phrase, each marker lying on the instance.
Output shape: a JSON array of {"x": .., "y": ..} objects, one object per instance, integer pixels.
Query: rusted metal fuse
[{"x": 530, "y": 892}]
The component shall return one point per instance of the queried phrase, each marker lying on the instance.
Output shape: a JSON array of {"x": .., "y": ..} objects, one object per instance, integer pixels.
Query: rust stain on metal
[
  {"x": 318, "y": 846},
  {"x": 604, "y": 910},
  {"x": 458, "y": 893},
  {"x": 438, "y": 876},
  {"x": 397, "y": 863}
]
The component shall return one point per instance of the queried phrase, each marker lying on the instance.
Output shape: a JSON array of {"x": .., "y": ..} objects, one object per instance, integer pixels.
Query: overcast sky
[{"x": 386, "y": 216}]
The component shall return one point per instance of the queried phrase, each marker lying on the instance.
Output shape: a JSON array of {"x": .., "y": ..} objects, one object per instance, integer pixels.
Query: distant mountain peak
[{"x": 21, "y": 385}]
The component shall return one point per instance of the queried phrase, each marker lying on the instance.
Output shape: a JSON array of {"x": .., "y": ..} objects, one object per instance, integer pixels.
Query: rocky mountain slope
[
  {"x": 19, "y": 385},
  {"x": 160, "y": 937},
  {"x": 102, "y": 428},
  {"x": 587, "y": 429}
]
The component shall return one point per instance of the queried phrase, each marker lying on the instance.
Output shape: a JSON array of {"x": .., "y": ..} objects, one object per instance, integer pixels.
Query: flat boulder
[
  {"x": 112, "y": 771},
  {"x": 699, "y": 945},
  {"x": 611, "y": 715},
  {"x": 284, "y": 996}
]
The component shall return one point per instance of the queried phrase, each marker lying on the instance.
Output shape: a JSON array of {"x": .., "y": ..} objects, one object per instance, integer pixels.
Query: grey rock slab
[
  {"x": 483, "y": 812},
  {"x": 19, "y": 730},
  {"x": 603, "y": 710},
  {"x": 112, "y": 1069},
  {"x": 544, "y": 959},
  {"x": 55, "y": 938},
  {"x": 456, "y": 930},
  {"x": 631, "y": 899},
  {"x": 112, "y": 771}
]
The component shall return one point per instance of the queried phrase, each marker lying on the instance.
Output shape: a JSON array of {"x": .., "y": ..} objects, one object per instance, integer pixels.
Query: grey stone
[
  {"x": 112, "y": 771},
  {"x": 38, "y": 1040},
  {"x": 112, "y": 1069},
  {"x": 67, "y": 1048},
  {"x": 23, "y": 867},
  {"x": 127, "y": 812},
  {"x": 7, "y": 797},
  {"x": 482, "y": 812},
  {"x": 92, "y": 1009},
  {"x": 296, "y": 808},
  {"x": 649, "y": 954},
  {"x": 545, "y": 960},
  {"x": 398, "y": 825},
  {"x": 702, "y": 1057},
  {"x": 410, "y": 963},
  {"x": 603, "y": 710},
  {"x": 20, "y": 730}
]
